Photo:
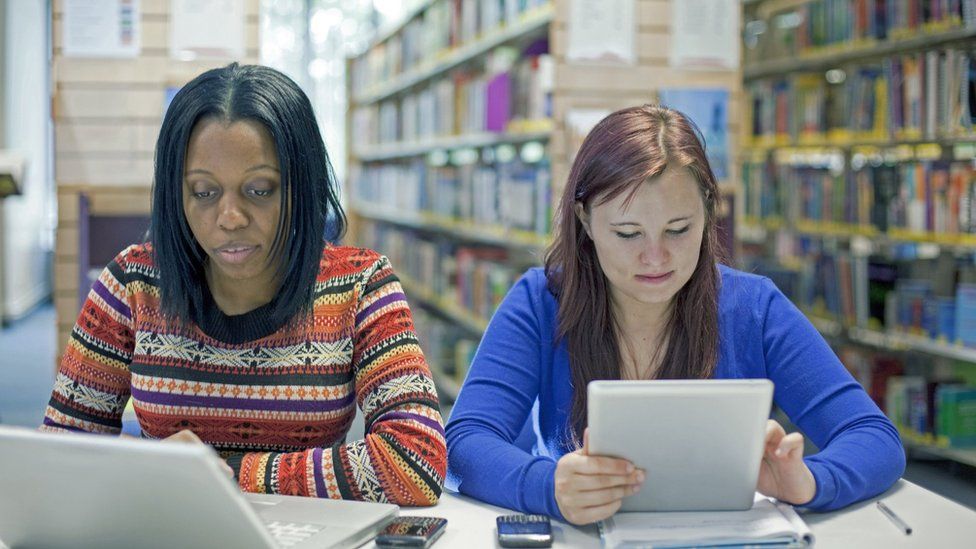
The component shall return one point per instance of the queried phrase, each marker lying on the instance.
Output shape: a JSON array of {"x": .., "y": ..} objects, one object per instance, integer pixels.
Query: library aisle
[{"x": 842, "y": 134}]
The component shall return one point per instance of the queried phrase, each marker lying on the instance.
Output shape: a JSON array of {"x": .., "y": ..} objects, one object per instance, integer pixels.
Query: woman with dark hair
[
  {"x": 633, "y": 289},
  {"x": 239, "y": 323}
]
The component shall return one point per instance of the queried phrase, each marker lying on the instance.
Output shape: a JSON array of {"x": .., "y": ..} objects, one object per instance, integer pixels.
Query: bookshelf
[
  {"x": 106, "y": 114},
  {"x": 859, "y": 195},
  {"x": 460, "y": 140}
]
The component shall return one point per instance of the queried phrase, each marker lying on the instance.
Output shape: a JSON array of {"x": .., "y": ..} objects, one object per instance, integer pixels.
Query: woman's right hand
[
  {"x": 187, "y": 436},
  {"x": 591, "y": 488}
]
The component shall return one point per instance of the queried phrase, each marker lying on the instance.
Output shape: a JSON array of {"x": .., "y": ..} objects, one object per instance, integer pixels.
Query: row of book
[
  {"x": 448, "y": 349},
  {"x": 920, "y": 196},
  {"x": 933, "y": 298},
  {"x": 428, "y": 35},
  {"x": 465, "y": 102},
  {"x": 513, "y": 194},
  {"x": 939, "y": 410},
  {"x": 473, "y": 279},
  {"x": 923, "y": 95},
  {"x": 826, "y": 25}
]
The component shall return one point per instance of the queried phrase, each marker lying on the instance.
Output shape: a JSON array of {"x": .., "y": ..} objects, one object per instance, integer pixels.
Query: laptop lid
[
  {"x": 700, "y": 442},
  {"x": 80, "y": 490}
]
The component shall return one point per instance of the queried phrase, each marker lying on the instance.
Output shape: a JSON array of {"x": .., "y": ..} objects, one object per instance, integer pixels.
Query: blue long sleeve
[
  {"x": 519, "y": 365},
  {"x": 492, "y": 409},
  {"x": 862, "y": 454}
]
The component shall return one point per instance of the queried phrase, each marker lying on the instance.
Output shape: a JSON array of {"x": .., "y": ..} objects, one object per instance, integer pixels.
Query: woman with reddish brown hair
[{"x": 633, "y": 288}]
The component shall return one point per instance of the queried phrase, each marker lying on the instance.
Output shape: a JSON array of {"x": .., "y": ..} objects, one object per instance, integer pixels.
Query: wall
[
  {"x": 107, "y": 114},
  {"x": 27, "y": 219}
]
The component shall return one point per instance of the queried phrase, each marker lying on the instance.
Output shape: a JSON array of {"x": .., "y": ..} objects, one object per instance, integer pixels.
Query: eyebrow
[
  {"x": 672, "y": 220},
  {"x": 251, "y": 169}
]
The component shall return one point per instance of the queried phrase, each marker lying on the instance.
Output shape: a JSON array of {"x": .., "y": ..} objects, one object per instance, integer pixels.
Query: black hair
[{"x": 311, "y": 213}]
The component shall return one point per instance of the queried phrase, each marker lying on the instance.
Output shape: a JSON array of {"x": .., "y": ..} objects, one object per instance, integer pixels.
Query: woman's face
[
  {"x": 230, "y": 197},
  {"x": 648, "y": 248}
]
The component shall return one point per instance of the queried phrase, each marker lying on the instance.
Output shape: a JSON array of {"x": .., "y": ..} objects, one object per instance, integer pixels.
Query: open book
[{"x": 767, "y": 524}]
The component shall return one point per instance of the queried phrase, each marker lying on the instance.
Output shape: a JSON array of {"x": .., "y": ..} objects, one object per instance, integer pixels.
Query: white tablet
[{"x": 699, "y": 441}]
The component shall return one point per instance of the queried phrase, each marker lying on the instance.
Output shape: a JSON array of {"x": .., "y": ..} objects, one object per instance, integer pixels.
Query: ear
[{"x": 584, "y": 218}]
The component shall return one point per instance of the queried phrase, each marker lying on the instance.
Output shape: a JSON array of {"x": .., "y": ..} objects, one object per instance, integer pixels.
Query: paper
[
  {"x": 708, "y": 108},
  {"x": 705, "y": 34},
  {"x": 206, "y": 29},
  {"x": 101, "y": 28},
  {"x": 579, "y": 122},
  {"x": 766, "y": 522},
  {"x": 601, "y": 31}
]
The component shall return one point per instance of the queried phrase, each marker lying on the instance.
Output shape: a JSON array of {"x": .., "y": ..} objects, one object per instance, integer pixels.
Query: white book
[{"x": 767, "y": 524}]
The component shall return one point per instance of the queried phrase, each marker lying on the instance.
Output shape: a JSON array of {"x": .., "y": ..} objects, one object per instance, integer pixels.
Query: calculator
[{"x": 524, "y": 531}]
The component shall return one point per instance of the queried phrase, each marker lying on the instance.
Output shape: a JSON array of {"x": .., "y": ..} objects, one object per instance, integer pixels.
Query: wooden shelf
[
  {"x": 819, "y": 61},
  {"x": 404, "y": 150},
  {"x": 446, "y": 384},
  {"x": 532, "y": 21},
  {"x": 460, "y": 230},
  {"x": 446, "y": 306},
  {"x": 959, "y": 455},
  {"x": 756, "y": 231}
]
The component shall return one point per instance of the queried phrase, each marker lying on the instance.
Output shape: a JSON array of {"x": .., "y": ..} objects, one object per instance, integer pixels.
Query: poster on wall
[
  {"x": 705, "y": 34},
  {"x": 195, "y": 34},
  {"x": 101, "y": 28},
  {"x": 601, "y": 32},
  {"x": 708, "y": 108}
]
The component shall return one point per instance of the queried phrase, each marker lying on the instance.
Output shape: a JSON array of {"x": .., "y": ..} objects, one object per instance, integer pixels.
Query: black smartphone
[
  {"x": 411, "y": 532},
  {"x": 524, "y": 530}
]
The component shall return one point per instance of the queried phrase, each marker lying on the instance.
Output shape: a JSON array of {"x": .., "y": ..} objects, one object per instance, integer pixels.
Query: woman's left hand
[{"x": 783, "y": 474}]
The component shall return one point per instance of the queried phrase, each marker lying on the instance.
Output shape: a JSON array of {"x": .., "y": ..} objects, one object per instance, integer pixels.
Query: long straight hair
[
  {"x": 620, "y": 153},
  {"x": 311, "y": 213}
]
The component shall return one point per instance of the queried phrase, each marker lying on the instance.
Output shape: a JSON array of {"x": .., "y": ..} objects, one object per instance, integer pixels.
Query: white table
[{"x": 936, "y": 522}]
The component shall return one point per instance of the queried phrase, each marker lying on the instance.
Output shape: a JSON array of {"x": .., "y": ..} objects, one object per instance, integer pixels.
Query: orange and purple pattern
[{"x": 279, "y": 407}]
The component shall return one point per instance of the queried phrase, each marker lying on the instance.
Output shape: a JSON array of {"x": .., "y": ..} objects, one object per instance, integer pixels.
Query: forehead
[
  {"x": 214, "y": 139},
  {"x": 673, "y": 191}
]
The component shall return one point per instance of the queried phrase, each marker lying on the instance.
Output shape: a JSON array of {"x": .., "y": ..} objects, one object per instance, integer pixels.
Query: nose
[
  {"x": 655, "y": 252},
  {"x": 230, "y": 215}
]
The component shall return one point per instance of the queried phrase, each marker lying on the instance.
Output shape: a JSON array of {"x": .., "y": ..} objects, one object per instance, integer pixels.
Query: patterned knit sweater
[{"x": 276, "y": 402}]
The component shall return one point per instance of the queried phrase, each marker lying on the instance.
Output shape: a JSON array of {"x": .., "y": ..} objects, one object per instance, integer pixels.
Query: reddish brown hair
[{"x": 621, "y": 152}]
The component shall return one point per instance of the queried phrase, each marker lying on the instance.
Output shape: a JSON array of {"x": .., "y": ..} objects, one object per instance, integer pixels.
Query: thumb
[{"x": 586, "y": 441}]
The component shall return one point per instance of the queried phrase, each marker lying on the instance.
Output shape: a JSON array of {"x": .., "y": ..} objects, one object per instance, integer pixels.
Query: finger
[
  {"x": 586, "y": 441},
  {"x": 774, "y": 431},
  {"x": 184, "y": 436},
  {"x": 602, "y": 465},
  {"x": 584, "y": 483},
  {"x": 589, "y": 515},
  {"x": 596, "y": 498},
  {"x": 790, "y": 445}
]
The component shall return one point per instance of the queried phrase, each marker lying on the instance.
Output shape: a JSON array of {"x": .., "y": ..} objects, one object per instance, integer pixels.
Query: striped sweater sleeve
[
  {"x": 91, "y": 387},
  {"x": 403, "y": 457}
]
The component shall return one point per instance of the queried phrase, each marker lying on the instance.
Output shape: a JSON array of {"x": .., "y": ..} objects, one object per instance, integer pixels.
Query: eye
[
  {"x": 627, "y": 236},
  {"x": 262, "y": 193},
  {"x": 677, "y": 232},
  {"x": 203, "y": 195}
]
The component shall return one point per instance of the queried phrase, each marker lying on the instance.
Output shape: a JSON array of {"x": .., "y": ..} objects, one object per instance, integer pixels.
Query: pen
[{"x": 895, "y": 518}]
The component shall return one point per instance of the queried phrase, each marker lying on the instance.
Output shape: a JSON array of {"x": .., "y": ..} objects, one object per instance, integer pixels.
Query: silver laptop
[
  {"x": 700, "y": 442},
  {"x": 78, "y": 490}
]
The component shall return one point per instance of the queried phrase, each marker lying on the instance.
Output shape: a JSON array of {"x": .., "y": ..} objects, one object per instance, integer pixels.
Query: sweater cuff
[
  {"x": 539, "y": 489},
  {"x": 826, "y": 486}
]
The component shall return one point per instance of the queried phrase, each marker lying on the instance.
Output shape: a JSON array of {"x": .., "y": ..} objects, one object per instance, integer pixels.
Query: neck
[
  {"x": 236, "y": 297},
  {"x": 640, "y": 320}
]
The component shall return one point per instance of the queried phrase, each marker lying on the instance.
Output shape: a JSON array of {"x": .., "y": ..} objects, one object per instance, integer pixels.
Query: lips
[
  {"x": 654, "y": 278},
  {"x": 235, "y": 253}
]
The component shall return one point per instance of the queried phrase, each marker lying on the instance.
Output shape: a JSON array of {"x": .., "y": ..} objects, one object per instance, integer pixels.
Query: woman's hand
[
  {"x": 187, "y": 436},
  {"x": 783, "y": 474},
  {"x": 591, "y": 488}
]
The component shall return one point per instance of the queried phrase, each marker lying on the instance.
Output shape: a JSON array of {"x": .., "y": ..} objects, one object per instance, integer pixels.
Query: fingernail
[
  {"x": 630, "y": 467},
  {"x": 634, "y": 489},
  {"x": 779, "y": 452},
  {"x": 640, "y": 476}
]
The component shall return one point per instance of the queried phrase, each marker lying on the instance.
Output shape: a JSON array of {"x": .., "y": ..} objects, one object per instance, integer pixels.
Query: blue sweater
[{"x": 520, "y": 373}]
